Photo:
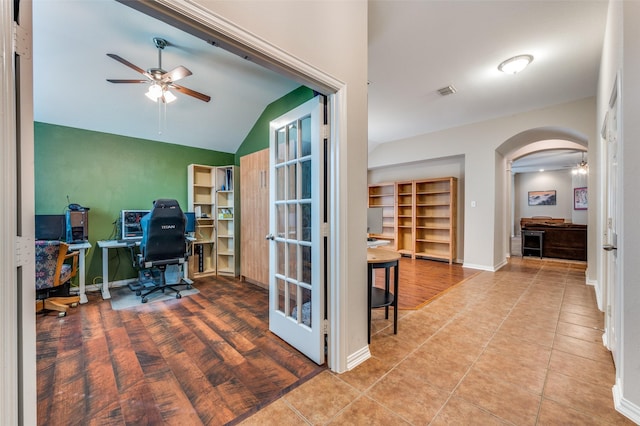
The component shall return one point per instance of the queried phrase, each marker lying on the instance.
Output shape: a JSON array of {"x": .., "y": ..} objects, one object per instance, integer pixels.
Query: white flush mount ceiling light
[{"x": 516, "y": 64}]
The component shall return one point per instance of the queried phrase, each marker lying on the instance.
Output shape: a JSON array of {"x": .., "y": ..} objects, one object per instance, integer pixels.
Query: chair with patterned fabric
[{"x": 55, "y": 266}]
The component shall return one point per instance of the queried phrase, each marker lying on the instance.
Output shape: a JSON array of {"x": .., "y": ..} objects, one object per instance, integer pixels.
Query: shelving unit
[
  {"x": 419, "y": 216},
  {"x": 226, "y": 258},
  {"x": 405, "y": 217},
  {"x": 213, "y": 251},
  {"x": 436, "y": 217},
  {"x": 201, "y": 199},
  {"x": 384, "y": 195}
]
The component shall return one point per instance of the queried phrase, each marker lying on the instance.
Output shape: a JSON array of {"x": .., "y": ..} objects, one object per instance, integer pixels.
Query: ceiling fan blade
[
  {"x": 130, "y": 65},
  {"x": 110, "y": 80},
  {"x": 175, "y": 74},
  {"x": 190, "y": 92}
]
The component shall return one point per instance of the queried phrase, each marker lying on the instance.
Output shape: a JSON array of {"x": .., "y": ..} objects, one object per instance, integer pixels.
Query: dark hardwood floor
[
  {"x": 203, "y": 359},
  {"x": 207, "y": 358}
]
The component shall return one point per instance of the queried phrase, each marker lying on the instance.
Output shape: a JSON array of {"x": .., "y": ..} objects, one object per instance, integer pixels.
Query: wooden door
[{"x": 254, "y": 202}]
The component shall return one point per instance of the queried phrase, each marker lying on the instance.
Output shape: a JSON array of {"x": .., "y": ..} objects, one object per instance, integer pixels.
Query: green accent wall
[
  {"x": 258, "y": 137},
  {"x": 109, "y": 173}
]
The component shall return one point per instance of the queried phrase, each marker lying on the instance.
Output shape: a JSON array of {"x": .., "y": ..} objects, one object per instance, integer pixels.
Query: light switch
[{"x": 473, "y": 204}]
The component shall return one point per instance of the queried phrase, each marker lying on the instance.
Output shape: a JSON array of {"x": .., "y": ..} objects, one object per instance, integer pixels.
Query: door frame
[
  {"x": 201, "y": 22},
  {"x": 18, "y": 386}
]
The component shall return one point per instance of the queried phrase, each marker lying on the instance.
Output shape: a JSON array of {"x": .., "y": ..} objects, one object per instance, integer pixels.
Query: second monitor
[
  {"x": 130, "y": 222},
  {"x": 374, "y": 220}
]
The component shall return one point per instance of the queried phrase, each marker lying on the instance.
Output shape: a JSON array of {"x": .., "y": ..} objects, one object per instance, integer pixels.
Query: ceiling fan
[
  {"x": 582, "y": 168},
  {"x": 161, "y": 81}
]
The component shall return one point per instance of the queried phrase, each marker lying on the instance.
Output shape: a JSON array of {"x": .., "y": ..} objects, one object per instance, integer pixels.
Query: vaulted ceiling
[
  {"x": 71, "y": 68},
  {"x": 415, "y": 48}
]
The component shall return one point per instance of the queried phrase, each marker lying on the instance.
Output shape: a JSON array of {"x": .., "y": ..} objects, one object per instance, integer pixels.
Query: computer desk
[
  {"x": 105, "y": 245},
  {"x": 82, "y": 248}
]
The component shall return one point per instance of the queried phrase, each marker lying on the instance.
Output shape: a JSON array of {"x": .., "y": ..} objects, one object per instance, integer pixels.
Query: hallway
[{"x": 520, "y": 346}]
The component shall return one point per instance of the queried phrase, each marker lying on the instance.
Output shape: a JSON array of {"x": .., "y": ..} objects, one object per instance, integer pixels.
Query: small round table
[{"x": 378, "y": 297}]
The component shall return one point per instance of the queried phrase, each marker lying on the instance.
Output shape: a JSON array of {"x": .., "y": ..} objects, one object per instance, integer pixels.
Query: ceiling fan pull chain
[
  {"x": 159, "y": 118},
  {"x": 164, "y": 121}
]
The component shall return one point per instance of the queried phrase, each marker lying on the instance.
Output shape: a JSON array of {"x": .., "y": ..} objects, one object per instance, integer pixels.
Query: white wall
[
  {"x": 581, "y": 216},
  {"x": 332, "y": 37},
  {"x": 441, "y": 167},
  {"x": 485, "y": 243},
  {"x": 562, "y": 181}
]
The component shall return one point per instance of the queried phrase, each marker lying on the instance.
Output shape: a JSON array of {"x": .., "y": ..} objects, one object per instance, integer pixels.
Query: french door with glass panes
[{"x": 296, "y": 249}]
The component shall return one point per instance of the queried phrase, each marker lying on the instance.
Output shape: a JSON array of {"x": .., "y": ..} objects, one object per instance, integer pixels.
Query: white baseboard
[
  {"x": 358, "y": 357},
  {"x": 482, "y": 267},
  {"x": 624, "y": 406}
]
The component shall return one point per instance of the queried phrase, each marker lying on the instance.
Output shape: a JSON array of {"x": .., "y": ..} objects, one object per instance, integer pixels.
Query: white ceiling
[
  {"x": 71, "y": 39},
  {"x": 415, "y": 48},
  {"x": 556, "y": 159}
]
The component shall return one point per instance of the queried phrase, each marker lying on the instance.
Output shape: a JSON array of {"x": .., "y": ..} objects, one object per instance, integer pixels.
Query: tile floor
[{"x": 521, "y": 346}]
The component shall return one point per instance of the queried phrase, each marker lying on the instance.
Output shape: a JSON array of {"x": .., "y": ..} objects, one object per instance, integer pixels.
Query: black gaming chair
[{"x": 163, "y": 243}]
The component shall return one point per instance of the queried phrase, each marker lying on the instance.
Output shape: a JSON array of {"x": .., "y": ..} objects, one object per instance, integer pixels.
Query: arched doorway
[{"x": 525, "y": 144}]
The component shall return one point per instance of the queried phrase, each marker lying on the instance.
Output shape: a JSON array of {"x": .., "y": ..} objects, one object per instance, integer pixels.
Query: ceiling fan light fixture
[
  {"x": 154, "y": 92},
  {"x": 582, "y": 168},
  {"x": 160, "y": 79},
  {"x": 516, "y": 64},
  {"x": 169, "y": 97}
]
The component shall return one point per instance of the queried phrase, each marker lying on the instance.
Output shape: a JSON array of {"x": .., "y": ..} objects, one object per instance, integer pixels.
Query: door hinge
[
  {"x": 325, "y": 327},
  {"x": 325, "y": 131},
  {"x": 25, "y": 250},
  {"x": 21, "y": 41},
  {"x": 325, "y": 229}
]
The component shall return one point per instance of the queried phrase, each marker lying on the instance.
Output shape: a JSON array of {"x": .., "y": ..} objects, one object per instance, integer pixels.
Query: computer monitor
[
  {"x": 131, "y": 228},
  {"x": 374, "y": 220},
  {"x": 191, "y": 222},
  {"x": 51, "y": 227}
]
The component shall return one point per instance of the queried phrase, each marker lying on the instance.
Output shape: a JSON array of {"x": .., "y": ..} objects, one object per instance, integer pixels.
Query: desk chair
[
  {"x": 163, "y": 244},
  {"x": 55, "y": 266}
]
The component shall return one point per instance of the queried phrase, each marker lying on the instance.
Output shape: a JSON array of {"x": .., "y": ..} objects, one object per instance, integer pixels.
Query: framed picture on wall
[
  {"x": 542, "y": 198},
  {"x": 580, "y": 200}
]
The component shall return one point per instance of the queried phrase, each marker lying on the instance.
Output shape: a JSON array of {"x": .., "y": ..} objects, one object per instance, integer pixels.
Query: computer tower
[{"x": 77, "y": 226}]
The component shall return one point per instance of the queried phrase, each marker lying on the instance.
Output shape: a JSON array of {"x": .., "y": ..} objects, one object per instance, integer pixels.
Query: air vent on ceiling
[{"x": 448, "y": 90}]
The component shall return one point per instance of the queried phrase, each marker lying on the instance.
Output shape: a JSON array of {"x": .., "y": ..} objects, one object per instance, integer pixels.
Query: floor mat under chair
[{"x": 124, "y": 297}]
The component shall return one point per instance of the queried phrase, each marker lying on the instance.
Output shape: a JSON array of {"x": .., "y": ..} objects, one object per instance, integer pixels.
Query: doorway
[
  {"x": 173, "y": 18},
  {"x": 540, "y": 140}
]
